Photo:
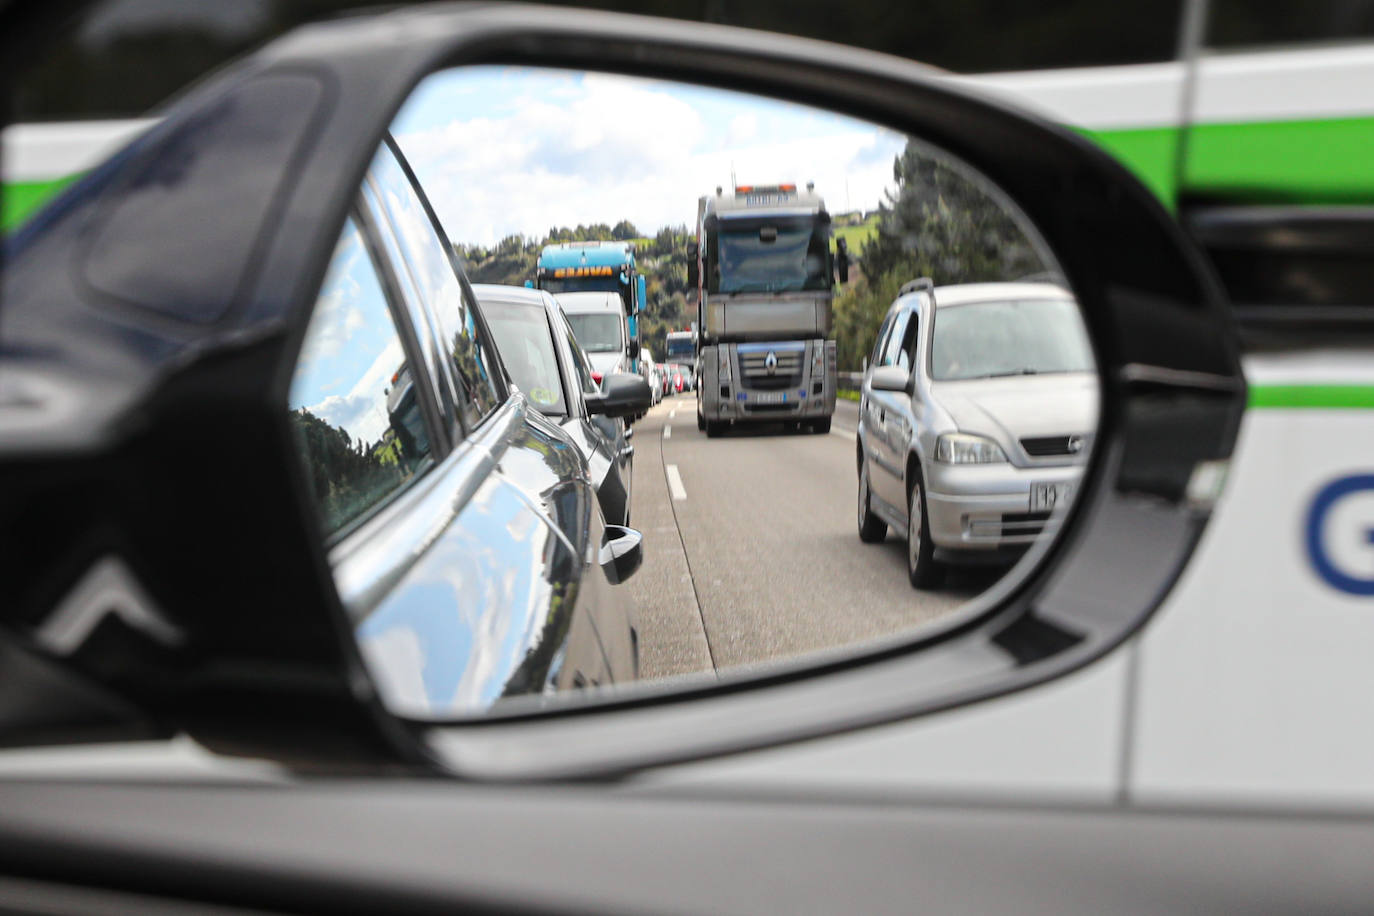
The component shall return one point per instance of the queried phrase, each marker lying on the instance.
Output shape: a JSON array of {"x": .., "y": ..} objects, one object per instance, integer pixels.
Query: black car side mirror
[
  {"x": 622, "y": 553},
  {"x": 633, "y": 349},
  {"x": 622, "y": 395}
]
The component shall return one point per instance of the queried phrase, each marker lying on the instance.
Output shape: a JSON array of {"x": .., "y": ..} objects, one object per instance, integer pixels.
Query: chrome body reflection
[{"x": 508, "y": 599}]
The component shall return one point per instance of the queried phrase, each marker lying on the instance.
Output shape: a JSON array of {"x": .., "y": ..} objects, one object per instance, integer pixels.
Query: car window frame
[
  {"x": 895, "y": 333},
  {"x": 430, "y": 414},
  {"x": 482, "y": 331},
  {"x": 874, "y": 358},
  {"x": 575, "y": 354},
  {"x": 911, "y": 336}
]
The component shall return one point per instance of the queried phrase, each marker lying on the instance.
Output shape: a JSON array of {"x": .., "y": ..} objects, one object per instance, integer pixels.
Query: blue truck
[{"x": 569, "y": 267}]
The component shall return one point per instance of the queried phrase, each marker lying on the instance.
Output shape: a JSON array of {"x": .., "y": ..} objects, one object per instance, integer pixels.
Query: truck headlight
[{"x": 964, "y": 448}]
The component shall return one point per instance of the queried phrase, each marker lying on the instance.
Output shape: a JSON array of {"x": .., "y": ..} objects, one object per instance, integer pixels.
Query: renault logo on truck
[{"x": 770, "y": 362}]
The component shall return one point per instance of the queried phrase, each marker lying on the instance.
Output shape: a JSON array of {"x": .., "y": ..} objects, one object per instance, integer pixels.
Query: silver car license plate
[{"x": 1046, "y": 497}]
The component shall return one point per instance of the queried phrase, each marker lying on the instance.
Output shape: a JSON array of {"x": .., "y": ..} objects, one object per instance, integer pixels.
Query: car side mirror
[
  {"x": 633, "y": 349},
  {"x": 622, "y": 395},
  {"x": 890, "y": 378},
  {"x": 622, "y": 553}
]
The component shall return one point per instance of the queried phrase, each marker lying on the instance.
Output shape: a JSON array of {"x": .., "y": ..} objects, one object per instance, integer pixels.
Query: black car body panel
[{"x": 145, "y": 430}]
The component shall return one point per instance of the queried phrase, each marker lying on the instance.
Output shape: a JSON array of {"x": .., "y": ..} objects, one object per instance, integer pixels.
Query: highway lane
[{"x": 752, "y": 553}]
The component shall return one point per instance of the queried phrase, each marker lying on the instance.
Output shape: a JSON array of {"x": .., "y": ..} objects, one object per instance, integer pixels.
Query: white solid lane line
[
  {"x": 675, "y": 483},
  {"x": 667, "y": 432}
]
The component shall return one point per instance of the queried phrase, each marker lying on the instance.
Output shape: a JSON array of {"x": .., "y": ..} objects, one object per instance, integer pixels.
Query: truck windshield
[
  {"x": 996, "y": 339},
  {"x": 558, "y": 285},
  {"x": 681, "y": 348},
  {"x": 598, "y": 332},
  {"x": 772, "y": 257}
]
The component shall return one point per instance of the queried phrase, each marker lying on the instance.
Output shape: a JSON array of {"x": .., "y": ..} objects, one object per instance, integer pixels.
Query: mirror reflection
[{"x": 783, "y": 382}]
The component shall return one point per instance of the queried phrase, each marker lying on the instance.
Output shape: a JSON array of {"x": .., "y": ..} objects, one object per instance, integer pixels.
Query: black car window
[
  {"x": 1276, "y": 23},
  {"x": 893, "y": 346},
  {"x": 906, "y": 356},
  {"x": 435, "y": 273},
  {"x": 882, "y": 339},
  {"x": 584, "y": 372},
  {"x": 526, "y": 345},
  {"x": 354, "y": 404}
]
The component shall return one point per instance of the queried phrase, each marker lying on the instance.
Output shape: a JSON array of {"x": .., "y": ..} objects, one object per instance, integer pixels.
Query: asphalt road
[{"x": 752, "y": 552}]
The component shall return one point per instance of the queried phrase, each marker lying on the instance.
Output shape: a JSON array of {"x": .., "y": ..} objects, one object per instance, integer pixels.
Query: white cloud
[{"x": 609, "y": 148}]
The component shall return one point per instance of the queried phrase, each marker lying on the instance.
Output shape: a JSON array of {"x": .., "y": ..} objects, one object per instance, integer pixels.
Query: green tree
[{"x": 940, "y": 222}]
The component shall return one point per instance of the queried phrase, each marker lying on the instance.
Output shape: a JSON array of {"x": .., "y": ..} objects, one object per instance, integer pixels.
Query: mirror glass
[{"x": 754, "y": 261}]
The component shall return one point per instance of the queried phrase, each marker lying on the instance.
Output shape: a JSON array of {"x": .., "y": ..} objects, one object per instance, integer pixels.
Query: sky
[{"x": 515, "y": 150}]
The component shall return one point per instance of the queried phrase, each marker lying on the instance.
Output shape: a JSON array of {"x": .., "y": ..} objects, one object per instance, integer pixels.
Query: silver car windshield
[
  {"x": 597, "y": 333},
  {"x": 526, "y": 345},
  {"x": 1024, "y": 337}
]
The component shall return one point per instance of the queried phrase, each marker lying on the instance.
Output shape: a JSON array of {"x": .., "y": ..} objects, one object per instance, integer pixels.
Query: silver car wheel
[
  {"x": 863, "y": 494},
  {"x": 913, "y": 527}
]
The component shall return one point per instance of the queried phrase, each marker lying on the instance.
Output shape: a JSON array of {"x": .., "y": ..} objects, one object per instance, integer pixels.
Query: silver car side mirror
[{"x": 890, "y": 378}]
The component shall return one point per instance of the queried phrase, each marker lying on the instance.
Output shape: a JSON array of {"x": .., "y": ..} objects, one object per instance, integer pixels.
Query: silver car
[{"x": 978, "y": 410}]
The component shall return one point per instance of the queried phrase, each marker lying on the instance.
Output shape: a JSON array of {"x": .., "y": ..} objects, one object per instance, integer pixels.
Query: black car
[
  {"x": 423, "y": 480},
  {"x": 544, "y": 359}
]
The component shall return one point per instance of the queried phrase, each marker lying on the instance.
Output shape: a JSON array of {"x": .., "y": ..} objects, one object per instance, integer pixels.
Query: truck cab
[
  {"x": 598, "y": 267},
  {"x": 764, "y": 275}
]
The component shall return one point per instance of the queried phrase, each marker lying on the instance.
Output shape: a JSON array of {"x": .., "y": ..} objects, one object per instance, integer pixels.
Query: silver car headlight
[{"x": 964, "y": 448}]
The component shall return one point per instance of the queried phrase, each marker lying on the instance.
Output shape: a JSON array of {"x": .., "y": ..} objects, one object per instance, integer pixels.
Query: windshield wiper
[{"x": 1003, "y": 374}]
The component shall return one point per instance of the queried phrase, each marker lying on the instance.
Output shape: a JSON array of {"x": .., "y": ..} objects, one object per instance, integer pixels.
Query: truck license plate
[
  {"x": 1046, "y": 497},
  {"x": 770, "y": 397}
]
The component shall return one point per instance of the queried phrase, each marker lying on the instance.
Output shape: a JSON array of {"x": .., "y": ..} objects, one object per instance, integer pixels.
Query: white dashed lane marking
[
  {"x": 675, "y": 483},
  {"x": 667, "y": 432}
]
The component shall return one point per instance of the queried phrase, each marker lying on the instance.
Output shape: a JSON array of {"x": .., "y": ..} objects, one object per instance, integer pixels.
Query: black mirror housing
[
  {"x": 622, "y": 395},
  {"x": 622, "y": 553}
]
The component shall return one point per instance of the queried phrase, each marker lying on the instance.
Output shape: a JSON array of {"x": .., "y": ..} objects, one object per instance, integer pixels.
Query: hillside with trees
[{"x": 938, "y": 221}]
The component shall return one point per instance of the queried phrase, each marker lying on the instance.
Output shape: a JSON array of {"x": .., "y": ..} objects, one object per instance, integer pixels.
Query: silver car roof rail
[{"x": 920, "y": 283}]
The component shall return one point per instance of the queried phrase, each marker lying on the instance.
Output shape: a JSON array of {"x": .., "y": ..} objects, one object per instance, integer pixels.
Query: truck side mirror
[
  {"x": 643, "y": 287},
  {"x": 693, "y": 252}
]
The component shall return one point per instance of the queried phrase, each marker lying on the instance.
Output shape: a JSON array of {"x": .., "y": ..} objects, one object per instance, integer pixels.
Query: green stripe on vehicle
[
  {"x": 21, "y": 198},
  {"x": 1309, "y": 162},
  {"x": 1312, "y": 396}
]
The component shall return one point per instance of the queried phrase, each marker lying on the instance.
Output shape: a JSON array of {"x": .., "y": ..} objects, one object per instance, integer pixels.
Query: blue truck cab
[{"x": 569, "y": 267}]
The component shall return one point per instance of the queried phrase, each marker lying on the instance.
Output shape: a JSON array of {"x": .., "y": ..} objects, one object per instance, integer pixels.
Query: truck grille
[
  {"x": 1054, "y": 446},
  {"x": 787, "y": 374}
]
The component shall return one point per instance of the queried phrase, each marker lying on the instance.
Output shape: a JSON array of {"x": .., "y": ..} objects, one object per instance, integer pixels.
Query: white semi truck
[{"x": 764, "y": 277}]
